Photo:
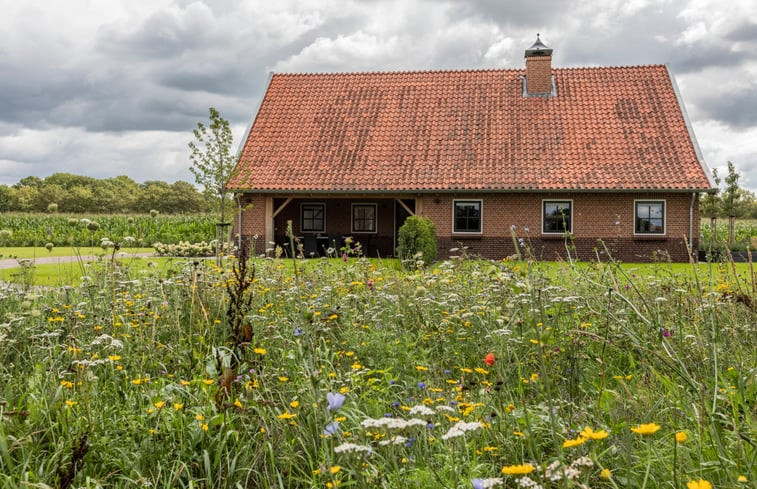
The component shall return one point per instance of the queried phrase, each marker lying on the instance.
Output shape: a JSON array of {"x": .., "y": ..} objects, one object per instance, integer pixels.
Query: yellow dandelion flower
[
  {"x": 199, "y": 417},
  {"x": 159, "y": 404},
  {"x": 237, "y": 403},
  {"x": 204, "y": 426},
  {"x": 114, "y": 358},
  {"x": 510, "y": 408},
  {"x": 283, "y": 379},
  {"x": 67, "y": 384},
  {"x": 681, "y": 436},
  {"x": 260, "y": 351},
  {"x": 521, "y": 469},
  {"x": 700, "y": 484},
  {"x": 208, "y": 381},
  {"x": 593, "y": 435},
  {"x": 185, "y": 382},
  {"x": 519, "y": 433},
  {"x": 421, "y": 368},
  {"x": 606, "y": 474},
  {"x": 335, "y": 469},
  {"x": 295, "y": 404},
  {"x": 646, "y": 429},
  {"x": 287, "y": 415},
  {"x": 178, "y": 405},
  {"x": 743, "y": 479},
  {"x": 575, "y": 442},
  {"x": 71, "y": 403}
]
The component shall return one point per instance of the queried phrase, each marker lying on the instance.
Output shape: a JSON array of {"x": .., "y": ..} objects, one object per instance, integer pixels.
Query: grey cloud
[
  {"x": 744, "y": 32},
  {"x": 736, "y": 109}
]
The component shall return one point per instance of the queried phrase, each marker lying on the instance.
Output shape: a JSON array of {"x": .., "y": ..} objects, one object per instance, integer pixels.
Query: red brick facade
[{"x": 597, "y": 218}]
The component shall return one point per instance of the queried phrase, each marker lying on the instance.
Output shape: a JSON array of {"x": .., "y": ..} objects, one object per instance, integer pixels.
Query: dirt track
[{"x": 42, "y": 260}]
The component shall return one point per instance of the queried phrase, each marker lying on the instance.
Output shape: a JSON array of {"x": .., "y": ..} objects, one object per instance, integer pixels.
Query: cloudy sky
[{"x": 115, "y": 87}]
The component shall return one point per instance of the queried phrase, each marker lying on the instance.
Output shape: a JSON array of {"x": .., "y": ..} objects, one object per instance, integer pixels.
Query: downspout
[
  {"x": 691, "y": 224},
  {"x": 239, "y": 221}
]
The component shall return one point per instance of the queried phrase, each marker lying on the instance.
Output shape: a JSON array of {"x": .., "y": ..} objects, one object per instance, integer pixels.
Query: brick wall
[
  {"x": 539, "y": 74},
  {"x": 596, "y": 216},
  {"x": 609, "y": 217}
]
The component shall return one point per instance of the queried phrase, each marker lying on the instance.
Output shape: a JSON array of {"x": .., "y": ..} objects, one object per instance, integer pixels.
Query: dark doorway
[{"x": 400, "y": 214}]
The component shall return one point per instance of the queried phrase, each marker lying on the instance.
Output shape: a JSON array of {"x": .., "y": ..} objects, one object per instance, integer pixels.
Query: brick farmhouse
[{"x": 585, "y": 159}]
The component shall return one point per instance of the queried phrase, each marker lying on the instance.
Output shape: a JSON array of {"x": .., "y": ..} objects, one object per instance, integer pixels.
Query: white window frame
[
  {"x": 481, "y": 219},
  {"x": 664, "y": 217},
  {"x": 557, "y": 233},
  {"x": 302, "y": 220},
  {"x": 375, "y": 217}
]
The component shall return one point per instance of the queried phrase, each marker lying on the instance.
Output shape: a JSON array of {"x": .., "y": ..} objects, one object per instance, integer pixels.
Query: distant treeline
[{"x": 67, "y": 193}]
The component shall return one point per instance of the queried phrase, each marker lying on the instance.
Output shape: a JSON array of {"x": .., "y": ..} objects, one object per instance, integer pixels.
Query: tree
[
  {"x": 731, "y": 199},
  {"x": 212, "y": 160}
]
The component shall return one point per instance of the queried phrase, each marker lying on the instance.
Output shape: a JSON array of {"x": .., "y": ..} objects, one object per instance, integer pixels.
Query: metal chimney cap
[{"x": 538, "y": 49}]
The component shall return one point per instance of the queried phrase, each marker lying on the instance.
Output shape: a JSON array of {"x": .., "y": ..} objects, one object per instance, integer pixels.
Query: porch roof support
[
  {"x": 399, "y": 201},
  {"x": 270, "y": 214}
]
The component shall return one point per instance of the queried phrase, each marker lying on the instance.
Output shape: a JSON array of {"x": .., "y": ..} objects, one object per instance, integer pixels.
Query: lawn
[
  {"x": 357, "y": 374},
  {"x": 41, "y": 251}
]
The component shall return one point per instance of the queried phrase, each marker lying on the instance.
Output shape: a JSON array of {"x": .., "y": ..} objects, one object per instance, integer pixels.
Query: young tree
[
  {"x": 212, "y": 159},
  {"x": 731, "y": 199},
  {"x": 710, "y": 206}
]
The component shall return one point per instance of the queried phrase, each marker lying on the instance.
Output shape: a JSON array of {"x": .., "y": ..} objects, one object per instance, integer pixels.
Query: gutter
[{"x": 239, "y": 221}]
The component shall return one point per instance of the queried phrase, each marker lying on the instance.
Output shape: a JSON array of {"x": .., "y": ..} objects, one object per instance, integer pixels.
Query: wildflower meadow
[{"x": 357, "y": 373}]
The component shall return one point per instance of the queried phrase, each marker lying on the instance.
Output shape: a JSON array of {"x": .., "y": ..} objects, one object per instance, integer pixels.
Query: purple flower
[
  {"x": 478, "y": 483},
  {"x": 344, "y": 257},
  {"x": 298, "y": 331},
  {"x": 370, "y": 283},
  {"x": 331, "y": 428},
  {"x": 421, "y": 385},
  {"x": 335, "y": 400},
  {"x": 667, "y": 333}
]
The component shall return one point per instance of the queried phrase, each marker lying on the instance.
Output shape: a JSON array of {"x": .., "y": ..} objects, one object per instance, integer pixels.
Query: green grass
[
  {"x": 41, "y": 251},
  {"x": 70, "y": 273}
]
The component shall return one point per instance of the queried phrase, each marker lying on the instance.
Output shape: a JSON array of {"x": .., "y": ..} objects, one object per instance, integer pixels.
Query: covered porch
[{"x": 323, "y": 222}]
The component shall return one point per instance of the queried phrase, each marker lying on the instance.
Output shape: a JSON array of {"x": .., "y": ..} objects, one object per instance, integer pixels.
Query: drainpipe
[
  {"x": 239, "y": 221},
  {"x": 691, "y": 224}
]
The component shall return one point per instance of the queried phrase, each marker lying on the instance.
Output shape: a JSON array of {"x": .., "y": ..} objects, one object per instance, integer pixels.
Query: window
[
  {"x": 557, "y": 216},
  {"x": 363, "y": 218},
  {"x": 467, "y": 216},
  {"x": 650, "y": 217},
  {"x": 313, "y": 218}
]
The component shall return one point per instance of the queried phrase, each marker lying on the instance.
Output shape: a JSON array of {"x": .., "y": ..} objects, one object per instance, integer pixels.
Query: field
[
  {"x": 357, "y": 374},
  {"x": 143, "y": 230},
  {"x": 745, "y": 234}
]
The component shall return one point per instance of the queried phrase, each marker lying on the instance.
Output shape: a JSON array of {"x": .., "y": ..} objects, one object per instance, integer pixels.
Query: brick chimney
[{"x": 538, "y": 70}]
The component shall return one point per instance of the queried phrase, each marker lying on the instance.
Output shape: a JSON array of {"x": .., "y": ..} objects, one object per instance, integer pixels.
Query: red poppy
[{"x": 489, "y": 359}]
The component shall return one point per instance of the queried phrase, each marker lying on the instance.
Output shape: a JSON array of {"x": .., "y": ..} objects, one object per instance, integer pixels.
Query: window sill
[
  {"x": 467, "y": 236},
  {"x": 650, "y": 237},
  {"x": 554, "y": 236}
]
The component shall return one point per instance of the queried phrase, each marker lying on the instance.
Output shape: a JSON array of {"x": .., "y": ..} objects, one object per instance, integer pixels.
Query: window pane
[
  {"x": 312, "y": 217},
  {"x": 364, "y": 218},
  {"x": 556, "y": 217},
  {"x": 650, "y": 217},
  {"x": 467, "y": 217}
]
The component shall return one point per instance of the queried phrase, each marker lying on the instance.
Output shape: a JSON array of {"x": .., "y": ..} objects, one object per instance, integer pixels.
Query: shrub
[{"x": 417, "y": 239}]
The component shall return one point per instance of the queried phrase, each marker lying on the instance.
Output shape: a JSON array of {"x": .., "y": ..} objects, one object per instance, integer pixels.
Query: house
[{"x": 605, "y": 156}]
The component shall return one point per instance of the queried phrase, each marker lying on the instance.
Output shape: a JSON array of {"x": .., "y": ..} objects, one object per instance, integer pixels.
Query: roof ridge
[{"x": 397, "y": 72}]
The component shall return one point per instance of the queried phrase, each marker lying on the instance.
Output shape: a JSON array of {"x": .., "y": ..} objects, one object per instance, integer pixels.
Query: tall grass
[{"x": 151, "y": 381}]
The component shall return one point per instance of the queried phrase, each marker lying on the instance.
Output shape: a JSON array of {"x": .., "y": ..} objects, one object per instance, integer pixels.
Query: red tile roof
[{"x": 606, "y": 128}]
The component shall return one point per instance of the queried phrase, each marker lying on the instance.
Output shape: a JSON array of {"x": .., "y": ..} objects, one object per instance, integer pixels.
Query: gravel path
[{"x": 41, "y": 260}]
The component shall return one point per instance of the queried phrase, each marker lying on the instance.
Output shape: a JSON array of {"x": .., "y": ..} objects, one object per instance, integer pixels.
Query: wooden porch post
[{"x": 268, "y": 220}]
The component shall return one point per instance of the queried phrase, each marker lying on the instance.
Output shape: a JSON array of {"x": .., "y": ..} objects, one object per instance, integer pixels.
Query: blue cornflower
[
  {"x": 331, "y": 428},
  {"x": 335, "y": 400}
]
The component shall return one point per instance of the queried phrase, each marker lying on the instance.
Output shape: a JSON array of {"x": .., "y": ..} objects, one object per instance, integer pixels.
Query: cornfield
[{"x": 39, "y": 229}]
